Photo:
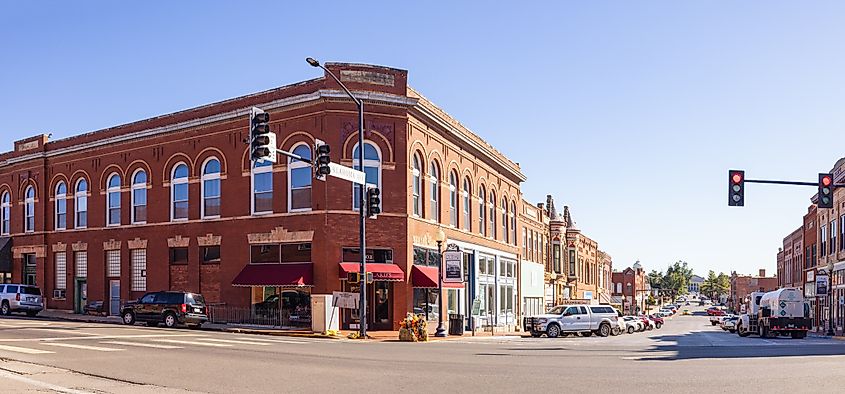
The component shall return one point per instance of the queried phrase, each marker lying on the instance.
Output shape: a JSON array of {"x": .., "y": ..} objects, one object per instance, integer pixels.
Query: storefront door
[
  {"x": 80, "y": 295},
  {"x": 381, "y": 306}
]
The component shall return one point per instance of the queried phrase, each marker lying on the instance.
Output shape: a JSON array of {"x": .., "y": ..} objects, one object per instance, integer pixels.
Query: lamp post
[
  {"x": 441, "y": 238},
  {"x": 633, "y": 301},
  {"x": 362, "y": 300},
  {"x": 830, "y": 331}
]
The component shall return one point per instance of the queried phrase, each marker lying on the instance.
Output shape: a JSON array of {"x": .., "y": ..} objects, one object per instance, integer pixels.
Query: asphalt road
[{"x": 686, "y": 355}]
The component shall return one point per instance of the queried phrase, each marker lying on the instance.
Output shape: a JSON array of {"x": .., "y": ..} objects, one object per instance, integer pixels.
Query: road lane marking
[
  {"x": 24, "y": 350},
  {"x": 52, "y": 339},
  {"x": 85, "y": 347},
  {"x": 284, "y": 341},
  {"x": 139, "y": 344},
  {"x": 68, "y": 331},
  {"x": 38, "y": 383},
  {"x": 178, "y": 342},
  {"x": 236, "y": 342}
]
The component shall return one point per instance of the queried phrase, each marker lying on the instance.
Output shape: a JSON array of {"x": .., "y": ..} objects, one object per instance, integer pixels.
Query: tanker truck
[{"x": 776, "y": 313}]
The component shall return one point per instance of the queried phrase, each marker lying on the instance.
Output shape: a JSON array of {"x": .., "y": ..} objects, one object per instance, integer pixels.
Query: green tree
[
  {"x": 676, "y": 280},
  {"x": 654, "y": 278},
  {"x": 716, "y": 285}
]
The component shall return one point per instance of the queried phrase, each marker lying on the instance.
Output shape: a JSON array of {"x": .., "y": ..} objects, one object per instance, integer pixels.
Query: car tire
[
  {"x": 5, "y": 310},
  {"x": 604, "y": 330},
  {"x": 553, "y": 331},
  {"x": 630, "y": 330},
  {"x": 659, "y": 325},
  {"x": 170, "y": 320},
  {"x": 649, "y": 328},
  {"x": 615, "y": 331},
  {"x": 128, "y": 318},
  {"x": 32, "y": 313}
]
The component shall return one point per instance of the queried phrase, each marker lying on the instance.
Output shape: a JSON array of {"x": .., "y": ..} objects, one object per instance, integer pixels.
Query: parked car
[
  {"x": 729, "y": 323},
  {"x": 169, "y": 307},
  {"x": 717, "y": 319},
  {"x": 571, "y": 319},
  {"x": 658, "y": 321},
  {"x": 633, "y": 324},
  {"x": 715, "y": 311},
  {"x": 20, "y": 298},
  {"x": 648, "y": 323}
]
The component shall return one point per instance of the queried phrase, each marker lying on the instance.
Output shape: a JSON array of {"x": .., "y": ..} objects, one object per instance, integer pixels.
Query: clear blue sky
[{"x": 651, "y": 102}]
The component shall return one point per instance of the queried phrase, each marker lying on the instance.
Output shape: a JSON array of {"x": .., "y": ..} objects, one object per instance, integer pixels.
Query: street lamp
[
  {"x": 830, "y": 331},
  {"x": 441, "y": 238},
  {"x": 362, "y": 301},
  {"x": 630, "y": 304}
]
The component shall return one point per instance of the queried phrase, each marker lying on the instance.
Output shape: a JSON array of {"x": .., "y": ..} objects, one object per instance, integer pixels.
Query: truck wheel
[
  {"x": 552, "y": 331},
  {"x": 604, "y": 330},
  {"x": 128, "y": 318},
  {"x": 741, "y": 332}
]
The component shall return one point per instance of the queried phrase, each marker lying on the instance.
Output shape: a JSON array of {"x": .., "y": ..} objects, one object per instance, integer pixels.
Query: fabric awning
[
  {"x": 276, "y": 275},
  {"x": 426, "y": 278},
  {"x": 5, "y": 254},
  {"x": 381, "y": 271}
]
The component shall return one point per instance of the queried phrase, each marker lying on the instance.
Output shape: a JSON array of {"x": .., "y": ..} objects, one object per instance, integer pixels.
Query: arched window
[
  {"x": 482, "y": 214},
  {"x": 417, "y": 180},
  {"x": 434, "y": 176},
  {"x": 467, "y": 205},
  {"x": 211, "y": 189},
  {"x": 61, "y": 206},
  {"x": 513, "y": 222},
  {"x": 453, "y": 199},
  {"x": 139, "y": 197},
  {"x": 372, "y": 169},
  {"x": 505, "y": 234},
  {"x": 493, "y": 229},
  {"x": 80, "y": 203},
  {"x": 262, "y": 187},
  {"x": 29, "y": 211},
  {"x": 6, "y": 210},
  {"x": 113, "y": 200},
  {"x": 179, "y": 192},
  {"x": 299, "y": 180}
]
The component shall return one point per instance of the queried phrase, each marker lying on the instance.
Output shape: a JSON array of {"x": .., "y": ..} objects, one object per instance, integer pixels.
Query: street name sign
[{"x": 349, "y": 174}]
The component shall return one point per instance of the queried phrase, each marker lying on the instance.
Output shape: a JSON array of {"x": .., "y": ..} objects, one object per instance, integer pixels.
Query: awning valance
[
  {"x": 276, "y": 275},
  {"x": 426, "y": 277},
  {"x": 381, "y": 271}
]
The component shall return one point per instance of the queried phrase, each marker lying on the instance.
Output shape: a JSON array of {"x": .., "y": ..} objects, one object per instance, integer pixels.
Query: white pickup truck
[{"x": 566, "y": 319}]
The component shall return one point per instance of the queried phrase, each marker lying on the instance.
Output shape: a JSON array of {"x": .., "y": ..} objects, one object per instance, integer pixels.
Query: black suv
[{"x": 169, "y": 307}]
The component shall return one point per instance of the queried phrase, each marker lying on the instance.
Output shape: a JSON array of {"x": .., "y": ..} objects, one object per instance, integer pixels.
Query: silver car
[{"x": 20, "y": 298}]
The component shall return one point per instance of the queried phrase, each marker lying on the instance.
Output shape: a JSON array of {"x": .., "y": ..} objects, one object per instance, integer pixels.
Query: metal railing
[{"x": 257, "y": 316}]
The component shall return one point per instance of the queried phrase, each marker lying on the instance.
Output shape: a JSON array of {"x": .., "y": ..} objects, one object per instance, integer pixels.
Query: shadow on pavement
[{"x": 695, "y": 346}]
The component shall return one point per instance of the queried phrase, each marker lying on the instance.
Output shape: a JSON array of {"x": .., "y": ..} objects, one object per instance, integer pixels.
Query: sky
[{"x": 630, "y": 113}]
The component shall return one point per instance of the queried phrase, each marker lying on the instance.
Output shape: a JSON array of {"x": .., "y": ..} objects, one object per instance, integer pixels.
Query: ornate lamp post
[
  {"x": 830, "y": 298},
  {"x": 441, "y": 238}
]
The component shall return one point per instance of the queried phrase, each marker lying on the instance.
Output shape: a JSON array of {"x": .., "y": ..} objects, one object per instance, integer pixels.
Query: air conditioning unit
[{"x": 59, "y": 294}]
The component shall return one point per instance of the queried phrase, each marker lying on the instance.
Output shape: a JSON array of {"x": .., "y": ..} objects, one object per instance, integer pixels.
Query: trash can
[{"x": 456, "y": 324}]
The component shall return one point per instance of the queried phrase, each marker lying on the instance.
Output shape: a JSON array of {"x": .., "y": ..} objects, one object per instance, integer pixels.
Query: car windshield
[
  {"x": 30, "y": 290},
  {"x": 557, "y": 310}
]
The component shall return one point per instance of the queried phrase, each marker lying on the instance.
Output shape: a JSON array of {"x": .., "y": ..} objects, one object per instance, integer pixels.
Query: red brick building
[
  {"x": 173, "y": 202},
  {"x": 630, "y": 286},
  {"x": 810, "y": 259},
  {"x": 790, "y": 260},
  {"x": 743, "y": 285}
]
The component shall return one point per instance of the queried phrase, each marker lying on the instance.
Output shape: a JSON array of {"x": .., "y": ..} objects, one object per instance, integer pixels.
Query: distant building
[
  {"x": 743, "y": 285},
  {"x": 694, "y": 287},
  {"x": 629, "y": 287}
]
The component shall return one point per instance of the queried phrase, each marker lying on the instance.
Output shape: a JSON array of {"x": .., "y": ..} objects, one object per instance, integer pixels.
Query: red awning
[
  {"x": 275, "y": 275},
  {"x": 381, "y": 271},
  {"x": 426, "y": 277}
]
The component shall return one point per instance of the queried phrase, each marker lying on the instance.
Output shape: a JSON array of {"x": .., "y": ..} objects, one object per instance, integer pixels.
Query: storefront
[
  {"x": 280, "y": 294},
  {"x": 491, "y": 280},
  {"x": 379, "y": 293}
]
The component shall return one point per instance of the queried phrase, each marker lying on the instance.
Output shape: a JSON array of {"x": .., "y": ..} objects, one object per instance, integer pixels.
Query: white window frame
[
  {"x": 138, "y": 269},
  {"x": 416, "y": 187},
  {"x": 60, "y": 201},
  {"x": 296, "y": 164},
  {"x": 29, "y": 209},
  {"x": 181, "y": 181},
  {"x": 504, "y": 211},
  {"x": 79, "y": 195},
  {"x": 60, "y": 259},
  {"x": 109, "y": 191},
  {"x": 513, "y": 222},
  {"x": 434, "y": 179},
  {"x": 467, "y": 196},
  {"x": 266, "y": 167},
  {"x": 493, "y": 208},
  {"x": 453, "y": 199},
  {"x": 136, "y": 187},
  {"x": 5, "y": 212},
  {"x": 80, "y": 264},
  {"x": 210, "y": 177},
  {"x": 113, "y": 263},
  {"x": 368, "y": 163},
  {"x": 482, "y": 210}
]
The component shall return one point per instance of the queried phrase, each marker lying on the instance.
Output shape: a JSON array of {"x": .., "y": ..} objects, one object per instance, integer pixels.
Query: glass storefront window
[{"x": 425, "y": 303}]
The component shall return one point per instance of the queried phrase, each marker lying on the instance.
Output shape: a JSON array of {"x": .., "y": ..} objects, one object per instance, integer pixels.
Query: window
[
  {"x": 5, "y": 210},
  {"x": 178, "y": 256},
  {"x": 482, "y": 221},
  {"x": 842, "y": 233},
  {"x": 504, "y": 212},
  {"x": 453, "y": 199},
  {"x": 417, "y": 180},
  {"x": 81, "y": 203},
  {"x": 823, "y": 238},
  {"x": 531, "y": 245},
  {"x": 113, "y": 201},
  {"x": 556, "y": 257},
  {"x": 832, "y": 236},
  {"x": 29, "y": 213},
  {"x": 210, "y": 254},
  {"x": 61, "y": 206},
  {"x": 493, "y": 215},
  {"x": 139, "y": 197},
  {"x": 265, "y": 254},
  {"x": 299, "y": 179},
  {"x": 434, "y": 175},
  {"x": 179, "y": 192},
  {"x": 139, "y": 270},
  {"x": 513, "y": 221},
  {"x": 467, "y": 207},
  {"x": 113, "y": 263},
  {"x": 525, "y": 243},
  {"x": 572, "y": 262},
  {"x": 262, "y": 187},
  {"x": 372, "y": 169},
  {"x": 81, "y": 264},
  {"x": 211, "y": 189},
  {"x": 61, "y": 270}
]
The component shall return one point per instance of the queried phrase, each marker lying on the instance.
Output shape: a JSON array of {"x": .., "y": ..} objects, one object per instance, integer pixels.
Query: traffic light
[
  {"x": 353, "y": 277},
  {"x": 373, "y": 202},
  {"x": 825, "y": 191},
  {"x": 321, "y": 164},
  {"x": 736, "y": 188},
  {"x": 262, "y": 141}
]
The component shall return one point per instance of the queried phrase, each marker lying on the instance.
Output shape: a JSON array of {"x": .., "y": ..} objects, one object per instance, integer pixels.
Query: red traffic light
[
  {"x": 826, "y": 181},
  {"x": 736, "y": 177}
]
